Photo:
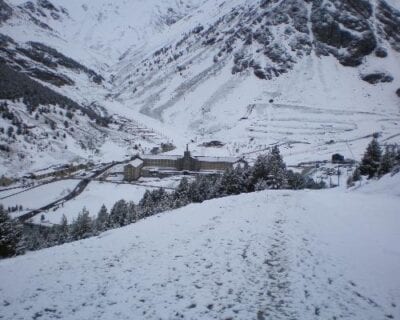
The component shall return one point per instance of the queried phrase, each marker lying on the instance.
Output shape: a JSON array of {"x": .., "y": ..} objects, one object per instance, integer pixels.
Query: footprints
[
  {"x": 47, "y": 313},
  {"x": 244, "y": 252},
  {"x": 278, "y": 288},
  {"x": 261, "y": 266},
  {"x": 340, "y": 297}
]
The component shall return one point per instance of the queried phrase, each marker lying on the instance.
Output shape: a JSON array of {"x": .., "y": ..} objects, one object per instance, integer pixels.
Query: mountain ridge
[{"x": 196, "y": 71}]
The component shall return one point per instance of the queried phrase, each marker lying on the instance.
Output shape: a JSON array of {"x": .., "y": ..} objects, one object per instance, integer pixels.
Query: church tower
[{"x": 187, "y": 159}]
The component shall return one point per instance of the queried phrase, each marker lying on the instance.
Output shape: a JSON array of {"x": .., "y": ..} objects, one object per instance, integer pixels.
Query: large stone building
[
  {"x": 161, "y": 164},
  {"x": 132, "y": 170}
]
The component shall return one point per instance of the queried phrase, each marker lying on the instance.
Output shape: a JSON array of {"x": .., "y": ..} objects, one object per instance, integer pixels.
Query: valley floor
[{"x": 329, "y": 254}]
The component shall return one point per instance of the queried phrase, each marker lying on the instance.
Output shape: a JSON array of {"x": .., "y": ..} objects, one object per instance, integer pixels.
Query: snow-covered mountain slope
[
  {"x": 68, "y": 46},
  {"x": 94, "y": 32},
  {"x": 313, "y": 76},
  {"x": 264, "y": 72},
  {"x": 267, "y": 255}
]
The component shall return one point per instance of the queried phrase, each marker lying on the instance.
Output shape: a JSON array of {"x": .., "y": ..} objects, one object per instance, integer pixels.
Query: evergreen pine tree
[
  {"x": 371, "y": 160},
  {"x": 34, "y": 239},
  {"x": 119, "y": 214},
  {"x": 63, "y": 230},
  {"x": 203, "y": 188},
  {"x": 270, "y": 168},
  {"x": 133, "y": 212},
  {"x": 387, "y": 162},
  {"x": 145, "y": 204},
  {"x": 10, "y": 235},
  {"x": 102, "y": 219},
  {"x": 181, "y": 195},
  {"x": 260, "y": 169},
  {"x": 231, "y": 182},
  {"x": 246, "y": 173},
  {"x": 277, "y": 177},
  {"x": 161, "y": 200},
  {"x": 195, "y": 192},
  {"x": 82, "y": 227}
]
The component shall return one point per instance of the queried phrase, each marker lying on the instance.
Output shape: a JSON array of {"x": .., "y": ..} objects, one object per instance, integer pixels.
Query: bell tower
[
  {"x": 186, "y": 154},
  {"x": 187, "y": 159}
]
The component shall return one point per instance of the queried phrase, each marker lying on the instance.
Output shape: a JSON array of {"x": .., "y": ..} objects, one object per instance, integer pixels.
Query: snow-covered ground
[
  {"x": 107, "y": 193},
  {"x": 93, "y": 197},
  {"x": 40, "y": 196},
  {"x": 168, "y": 182},
  {"x": 6, "y": 192},
  {"x": 330, "y": 254},
  {"x": 100, "y": 32}
]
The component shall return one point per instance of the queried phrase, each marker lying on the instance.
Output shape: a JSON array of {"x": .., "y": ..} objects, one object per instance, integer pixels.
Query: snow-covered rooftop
[
  {"x": 200, "y": 158},
  {"x": 136, "y": 163},
  {"x": 160, "y": 156}
]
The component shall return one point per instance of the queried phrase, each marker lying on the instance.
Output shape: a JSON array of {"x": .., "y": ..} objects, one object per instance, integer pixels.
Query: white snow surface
[
  {"x": 39, "y": 196},
  {"x": 267, "y": 255},
  {"x": 99, "y": 32},
  {"x": 93, "y": 197},
  {"x": 317, "y": 102}
]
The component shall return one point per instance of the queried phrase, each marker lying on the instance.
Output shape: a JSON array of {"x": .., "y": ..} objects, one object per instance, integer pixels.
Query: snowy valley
[
  {"x": 88, "y": 88},
  {"x": 250, "y": 74}
]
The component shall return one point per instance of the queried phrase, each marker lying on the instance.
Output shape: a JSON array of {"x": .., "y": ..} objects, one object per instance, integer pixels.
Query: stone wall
[{"x": 163, "y": 163}]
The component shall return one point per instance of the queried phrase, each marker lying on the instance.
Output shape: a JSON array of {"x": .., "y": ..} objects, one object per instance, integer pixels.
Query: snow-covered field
[
  {"x": 93, "y": 197},
  {"x": 40, "y": 196},
  {"x": 330, "y": 254},
  {"x": 6, "y": 192}
]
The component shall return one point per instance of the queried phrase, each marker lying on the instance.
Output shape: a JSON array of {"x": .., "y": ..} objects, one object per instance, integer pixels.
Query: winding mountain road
[{"x": 81, "y": 186}]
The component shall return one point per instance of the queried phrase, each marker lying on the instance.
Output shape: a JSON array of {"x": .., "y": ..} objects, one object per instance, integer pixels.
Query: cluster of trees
[
  {"x": 376, "y": 163},
  {"x": 14, "y": 208},
  {"x": 268, "y": 172},
  {"x": 5, "y": 111},
  {"x": 16, "y": 85},
  {"x": 52, "y": 58},
  {"x": 7, "y": 114},
  {"x": 37, "y": 100},
  {"x": 11, "y": 240}
]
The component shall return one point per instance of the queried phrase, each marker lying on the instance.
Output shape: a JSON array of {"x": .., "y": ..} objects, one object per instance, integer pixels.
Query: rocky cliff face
[
  {"x": 268, "y": 37},
  {"x": 231, "y": 75}
]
